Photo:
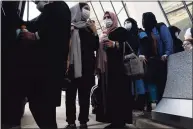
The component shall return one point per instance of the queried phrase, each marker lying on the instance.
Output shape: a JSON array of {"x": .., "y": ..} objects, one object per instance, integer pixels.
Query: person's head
[
  {"x": 85, "y": 11},
  {"x": 149, "y": 21},
  {"x": 41, "y": 4},
  {"x": 110, "y": 20},
  {"x": 175, "y": 31},
  {"x": 80, "y": 12},
  {"x": 130, "y": 24}
]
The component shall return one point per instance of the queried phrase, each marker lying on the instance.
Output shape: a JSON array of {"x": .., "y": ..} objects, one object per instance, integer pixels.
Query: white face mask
[
  {"x": 85, "y": 14},
  {"x": 108, "y": 23},
  {"x": 177, "y": 35},
  {"x": 128, "y": 26},
  {"x": 40, "y": 5}
]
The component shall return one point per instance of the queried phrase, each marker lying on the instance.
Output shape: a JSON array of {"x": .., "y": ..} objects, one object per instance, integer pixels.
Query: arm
[
  {"x": 96, "y": 43},
  {"x": 166, "y": 39}
]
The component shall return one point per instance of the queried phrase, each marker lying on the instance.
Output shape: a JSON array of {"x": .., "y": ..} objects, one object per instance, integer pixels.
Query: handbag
[{"x": 133, "y": 66}]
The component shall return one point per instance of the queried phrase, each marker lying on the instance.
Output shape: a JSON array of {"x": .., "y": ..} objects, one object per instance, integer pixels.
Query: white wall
[{"x": 136, "y": 10}]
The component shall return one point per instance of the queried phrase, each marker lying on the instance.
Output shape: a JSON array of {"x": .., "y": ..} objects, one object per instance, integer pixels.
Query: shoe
[
  {"x": 83, "y": 126},
  {"x": 70, "y": 126}
]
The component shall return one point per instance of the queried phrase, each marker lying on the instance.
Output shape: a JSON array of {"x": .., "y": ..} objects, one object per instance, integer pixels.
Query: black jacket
[
  {"x": 89, "y": 44},
  {"x": 50, "y": 52}
]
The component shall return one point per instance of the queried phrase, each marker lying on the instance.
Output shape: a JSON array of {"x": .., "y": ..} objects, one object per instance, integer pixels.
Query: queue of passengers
[{"x": 60, "y": 43}]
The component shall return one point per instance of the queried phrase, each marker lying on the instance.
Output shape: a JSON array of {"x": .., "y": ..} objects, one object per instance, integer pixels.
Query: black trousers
[
  {"x": 14, "y": 92},
  {"x": 157, "y": 74},
  {"x": 83, "y": 88}
]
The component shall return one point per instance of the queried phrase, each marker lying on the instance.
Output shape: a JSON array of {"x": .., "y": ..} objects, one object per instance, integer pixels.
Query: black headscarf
[
  {"x": 177, "y": 47},
  {"x": 133, "y": 39},
  {"x": 149, "y": 21},
  {"x": 134, "y": 28},
  {"x": 173, "y": 30}
]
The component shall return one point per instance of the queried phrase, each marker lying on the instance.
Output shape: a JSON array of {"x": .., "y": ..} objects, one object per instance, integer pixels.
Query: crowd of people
[{"x": 58, "y": 50}]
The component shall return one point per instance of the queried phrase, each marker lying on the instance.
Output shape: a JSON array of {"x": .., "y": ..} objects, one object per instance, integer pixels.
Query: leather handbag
[{"x": 133, "y": 66}]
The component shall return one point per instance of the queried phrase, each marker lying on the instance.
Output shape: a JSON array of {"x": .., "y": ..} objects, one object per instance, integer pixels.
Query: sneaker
[
  {"x": 83, "y": 126},
  {"x": 70, "y": 126}
]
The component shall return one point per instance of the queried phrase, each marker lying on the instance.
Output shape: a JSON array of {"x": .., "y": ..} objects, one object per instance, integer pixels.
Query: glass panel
[
  {"x": 180, "y": 19},
  {"x": 122, "y": 15},
  {"x": 107, "y": 6},
  {"x": 171, "y": 6},
  {"x": 99, "y": 12},
  {"x": 189, "y": 2},
  {"x": 33, "y": 11},
  {"x": 93, "y": 16},
  {"x": 118, "y": 6},
  {"x": 190, "y": 7},
  {"x": 70, "y": 4}
]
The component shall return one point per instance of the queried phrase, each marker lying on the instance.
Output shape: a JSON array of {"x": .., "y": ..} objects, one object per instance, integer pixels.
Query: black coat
[
  {"x": 114, "y": 98},
  {"x": 45, "y": 58},
  {"x": 89, "y": 44}
]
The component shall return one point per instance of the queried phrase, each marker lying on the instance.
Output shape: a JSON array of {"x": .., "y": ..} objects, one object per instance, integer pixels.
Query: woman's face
[
  {"x": 86, "y": 12},
  {"x": 128, "y": 25},
  {"x": 107, "y": 20},
  {"x": 107, "y": 16}
]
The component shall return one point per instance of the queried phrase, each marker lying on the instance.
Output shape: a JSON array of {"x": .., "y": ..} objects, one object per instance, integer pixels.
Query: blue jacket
[{"x": 165, "y": 41}]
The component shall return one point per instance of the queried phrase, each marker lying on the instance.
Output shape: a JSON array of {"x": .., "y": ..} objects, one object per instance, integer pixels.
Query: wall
[{"x": 136, "y": 9}]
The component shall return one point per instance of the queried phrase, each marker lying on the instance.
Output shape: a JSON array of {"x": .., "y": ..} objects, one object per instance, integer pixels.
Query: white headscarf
[{"x": 75, "y": 50}]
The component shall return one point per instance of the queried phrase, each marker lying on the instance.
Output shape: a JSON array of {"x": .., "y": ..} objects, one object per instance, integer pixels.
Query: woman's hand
[
  {"x": 27, "y": 36},
  {"x": 142, "y": 58},
  {"x": 110, "y": 44},
  {"x": 93, "y": 27}
]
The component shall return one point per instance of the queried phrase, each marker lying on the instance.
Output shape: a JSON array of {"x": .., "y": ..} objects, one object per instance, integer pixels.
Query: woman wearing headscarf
[
  {"x": 159, "y": 48},
  {"x": 175, "y": 31},
  {"x": 114, "y": 100},
  {"x": 84, "y": 41},
  {"x": 138, "y": 39}
]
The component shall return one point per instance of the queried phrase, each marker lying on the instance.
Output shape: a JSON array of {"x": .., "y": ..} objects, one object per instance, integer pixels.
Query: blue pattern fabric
[
  {"x": 165, "y": 41},
  {"x": 142, "y": 35},
  {"x": 139, "y": 86}
]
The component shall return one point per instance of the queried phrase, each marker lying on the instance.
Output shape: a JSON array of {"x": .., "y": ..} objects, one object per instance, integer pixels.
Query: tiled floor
[{"x": 28, "y": 121}]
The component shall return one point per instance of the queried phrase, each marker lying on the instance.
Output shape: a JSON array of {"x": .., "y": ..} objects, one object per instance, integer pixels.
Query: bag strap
[{"x": 128, "y": 46}]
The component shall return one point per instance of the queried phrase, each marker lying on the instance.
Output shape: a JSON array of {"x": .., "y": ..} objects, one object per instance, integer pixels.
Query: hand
[
  {"x": 164, "y": 57},
  {"x": 142, "y": 58},
  {"x": 93, "y": 27},
  {"x": 27, "y": 36},
  {"x": 109, "y": 44}
]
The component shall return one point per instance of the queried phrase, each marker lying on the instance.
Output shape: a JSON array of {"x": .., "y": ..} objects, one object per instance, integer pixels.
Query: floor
[{"x": 28, "y": 121}]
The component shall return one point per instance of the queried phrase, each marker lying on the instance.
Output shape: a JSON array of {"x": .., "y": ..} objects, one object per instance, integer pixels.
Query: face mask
[
  {"x": 128, "y": 26},
  {"x": 177, "y": 35},
  {"x": 85, "y": 14},
  {"x": 108, "y": 23},
  {"x": 40, "y": 5}
]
